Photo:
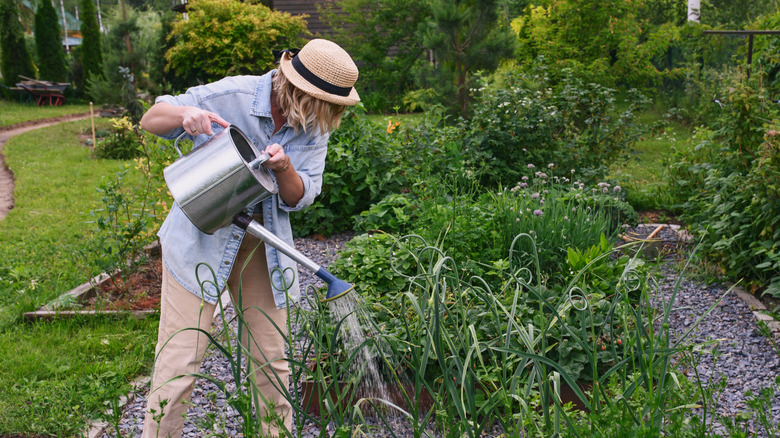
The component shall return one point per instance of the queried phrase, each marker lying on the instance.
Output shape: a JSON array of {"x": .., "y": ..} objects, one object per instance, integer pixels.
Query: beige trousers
[{"x": 181, "y": 353}]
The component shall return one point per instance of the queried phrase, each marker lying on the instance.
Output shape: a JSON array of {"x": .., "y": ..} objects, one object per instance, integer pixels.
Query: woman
[{"x": 291, "y": 110}]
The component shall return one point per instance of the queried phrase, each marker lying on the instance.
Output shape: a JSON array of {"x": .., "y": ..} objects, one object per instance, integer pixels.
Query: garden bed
[{"x": 138, "y": 293}]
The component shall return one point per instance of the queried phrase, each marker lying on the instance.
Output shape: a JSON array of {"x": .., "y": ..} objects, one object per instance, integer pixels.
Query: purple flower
[
  {"x": 535, "y": 196},
  {"x": 550, "y": 166},
  {"x": 538, "y": 212},
  {"x": 525, "y": 178},
  {"x": 531, "y": 166},
  {"x": 617, "y": 189},
  {"x": 523, "y": 185}
]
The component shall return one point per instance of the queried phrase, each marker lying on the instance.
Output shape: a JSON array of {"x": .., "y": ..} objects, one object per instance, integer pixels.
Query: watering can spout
[{"x": 336, "y": 288}]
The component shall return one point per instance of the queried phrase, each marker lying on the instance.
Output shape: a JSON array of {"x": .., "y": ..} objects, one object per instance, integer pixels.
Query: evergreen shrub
[
  {"x": 91, "y": 44},
  {"x": 15, "y": 59},
  {"x": 48, "y": 43}
]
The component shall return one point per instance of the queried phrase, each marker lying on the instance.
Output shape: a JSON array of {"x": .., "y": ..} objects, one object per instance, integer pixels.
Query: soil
[{"x": 139, "y": 291}]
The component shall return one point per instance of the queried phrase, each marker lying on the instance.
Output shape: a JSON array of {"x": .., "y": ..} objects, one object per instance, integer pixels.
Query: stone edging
[
  {"x": 85, "y": 291},
  {"x": 757, "y": 307}
]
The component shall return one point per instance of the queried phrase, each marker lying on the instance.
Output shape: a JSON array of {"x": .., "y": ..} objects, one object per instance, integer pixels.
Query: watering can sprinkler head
[{"x": 336, "y": 288}]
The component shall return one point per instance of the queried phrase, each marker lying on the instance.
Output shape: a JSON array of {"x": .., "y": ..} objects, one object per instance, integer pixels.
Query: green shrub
[
  {"x": 603, "y": 42},
  {"x": 519, "y": 122},
  {"x": 367, "y": 162},
  {"x": 121, "y": 143},
  {"x": 221, "y": 38},
  {"x": 727, "y": 183}
]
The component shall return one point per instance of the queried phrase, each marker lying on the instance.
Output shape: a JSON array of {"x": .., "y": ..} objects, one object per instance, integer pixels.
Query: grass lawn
[
  {"x": 643, "y": 174},
  {"x": 55, "y": 376},
  {"x": 12, "y": 112}
]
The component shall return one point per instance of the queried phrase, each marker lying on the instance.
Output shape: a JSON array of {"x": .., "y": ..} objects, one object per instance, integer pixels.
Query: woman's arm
[
  {"x": 290, "y": 184},
  {"x": 163, "y": 118}
]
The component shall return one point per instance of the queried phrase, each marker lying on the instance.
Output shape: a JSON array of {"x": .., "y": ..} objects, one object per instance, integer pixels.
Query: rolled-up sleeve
[{"x": 309, "y": 162}]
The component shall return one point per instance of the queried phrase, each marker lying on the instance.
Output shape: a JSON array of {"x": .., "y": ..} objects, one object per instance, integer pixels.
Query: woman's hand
[
  {"x": 196, "y": 121},
  {"x": 290, "y": 184},
  {"x": 163, "y": 118},
  {"x": 279, "y": 161}
]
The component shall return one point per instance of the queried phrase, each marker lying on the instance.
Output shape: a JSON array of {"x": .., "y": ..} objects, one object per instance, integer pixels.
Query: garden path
[{"x": 6, "y": 176}]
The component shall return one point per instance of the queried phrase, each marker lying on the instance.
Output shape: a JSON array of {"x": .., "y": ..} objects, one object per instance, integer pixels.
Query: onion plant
[{"x": 483, "y": 360}]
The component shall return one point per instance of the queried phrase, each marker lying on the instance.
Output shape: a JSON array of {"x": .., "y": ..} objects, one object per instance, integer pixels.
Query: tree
[
  {"x": 466, "y": 36},
  {"x": 601, "y": 41},
  {"x": 223, "y": 38},
  {"x": 91, "y": 46},
  {"x": 380, "y": 36},
  {"x": 48, "y": 44},
  {"x": 15, "y": 59}
]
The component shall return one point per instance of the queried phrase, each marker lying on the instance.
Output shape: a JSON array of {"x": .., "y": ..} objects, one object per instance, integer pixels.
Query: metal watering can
[{"x": 216, "y": 181}]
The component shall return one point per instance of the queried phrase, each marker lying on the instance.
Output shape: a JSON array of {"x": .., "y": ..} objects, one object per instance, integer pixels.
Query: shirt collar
[{"x": 261, "y": 106}]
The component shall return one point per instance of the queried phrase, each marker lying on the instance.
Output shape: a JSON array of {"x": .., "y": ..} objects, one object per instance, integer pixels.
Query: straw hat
[{"x": 323, "y": 70}]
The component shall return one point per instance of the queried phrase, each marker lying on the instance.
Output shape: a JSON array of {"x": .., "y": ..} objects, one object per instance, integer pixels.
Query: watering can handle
[{"x": 176, "y": 143}]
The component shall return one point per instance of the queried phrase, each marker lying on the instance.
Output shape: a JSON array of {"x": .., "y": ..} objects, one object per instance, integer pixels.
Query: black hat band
[{"x": 317, "y": 81}]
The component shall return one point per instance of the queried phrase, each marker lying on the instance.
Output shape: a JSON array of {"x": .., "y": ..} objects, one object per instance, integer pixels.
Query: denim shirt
[{"x": 244, "y": 101}]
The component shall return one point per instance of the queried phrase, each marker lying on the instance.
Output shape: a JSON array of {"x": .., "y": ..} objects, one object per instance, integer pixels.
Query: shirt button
[
  {"x": 235, "y": 236},
  {"x": 227, "y": 262}
]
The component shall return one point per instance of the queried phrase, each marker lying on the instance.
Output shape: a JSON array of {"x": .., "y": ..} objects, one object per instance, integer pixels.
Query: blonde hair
[{"x": 305, "y": 111}]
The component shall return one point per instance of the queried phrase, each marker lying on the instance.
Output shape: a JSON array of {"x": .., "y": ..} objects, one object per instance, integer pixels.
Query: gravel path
[{"x": 747, "y": 359}]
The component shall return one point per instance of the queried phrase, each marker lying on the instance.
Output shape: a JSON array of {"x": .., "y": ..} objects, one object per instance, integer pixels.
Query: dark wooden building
[
  {"x": 295, "y": 7},
  {"x": 309, "y": 7}
]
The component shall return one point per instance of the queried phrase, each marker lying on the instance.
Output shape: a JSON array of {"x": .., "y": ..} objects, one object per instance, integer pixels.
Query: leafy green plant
[
  {"x": 519, "y": 121},
  {"x": 121, "y": 144},
  {"x": 607, "y": 44},
  {"x": 130, "y": 216},
  {"x": 120, "y": 226},
  {"x": 220, "y": 38},
  {"x": 726, "y": 181},
  {"x": 392, "y": 214}
]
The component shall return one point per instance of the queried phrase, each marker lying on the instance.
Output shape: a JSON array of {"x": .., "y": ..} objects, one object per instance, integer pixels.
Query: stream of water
[{"x": 356, "y": 328}]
